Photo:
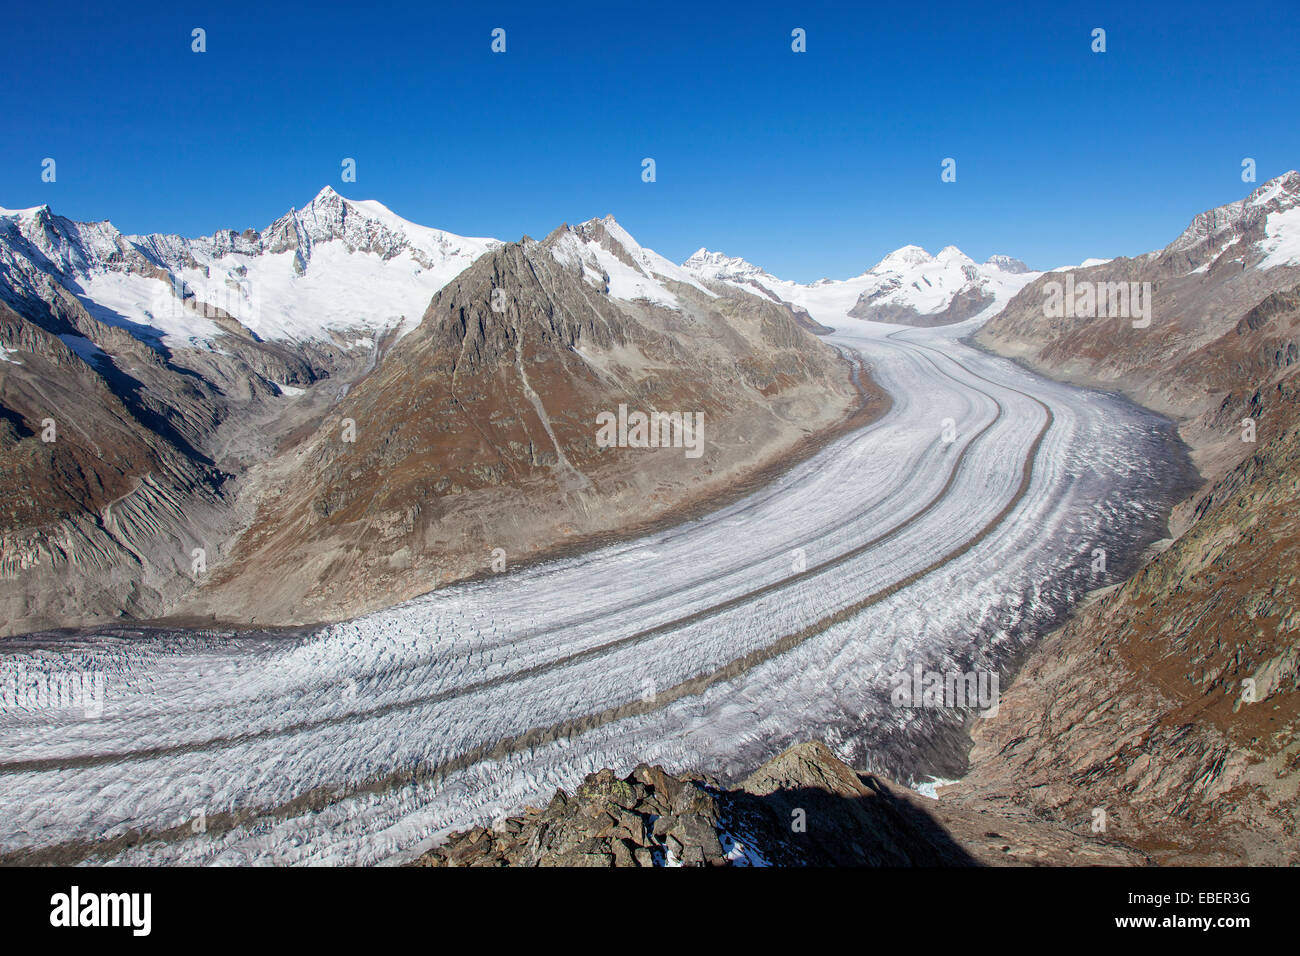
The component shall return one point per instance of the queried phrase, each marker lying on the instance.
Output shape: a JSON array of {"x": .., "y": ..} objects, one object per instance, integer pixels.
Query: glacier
[{"x": 950, "y": 532}]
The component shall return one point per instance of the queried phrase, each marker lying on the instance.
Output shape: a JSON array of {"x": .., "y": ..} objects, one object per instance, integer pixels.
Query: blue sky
[{"x": 809, "y": 164}]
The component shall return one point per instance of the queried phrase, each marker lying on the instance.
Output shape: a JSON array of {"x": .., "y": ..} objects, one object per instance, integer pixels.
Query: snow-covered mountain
[
  {"x": 1261, "y": 230},
  {"x": 909, "y": 285},
  {"x": 609, "y": 259},
  {"x": 725, "y": 268},
  {"x": 171, "y": 366},
  {"x": 335, "y": 269}
]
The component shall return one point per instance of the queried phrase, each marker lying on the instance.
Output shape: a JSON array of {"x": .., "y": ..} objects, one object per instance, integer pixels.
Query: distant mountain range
[{"x": 909, "y": 286}]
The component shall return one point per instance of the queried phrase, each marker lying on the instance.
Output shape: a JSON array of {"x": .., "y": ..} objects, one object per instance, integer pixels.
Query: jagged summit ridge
[
  {"x": 719, "y": 265},
  {"x": 1006, "y": 264},
  {"x": 335, "y": 267},
  {"x": 1266, "y": 223},
  {"x": 609, "y": 259}
]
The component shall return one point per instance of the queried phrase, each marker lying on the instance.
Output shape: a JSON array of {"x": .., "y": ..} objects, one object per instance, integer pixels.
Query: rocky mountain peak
[
  {"x": 1256, "y": 218},
  {"x": 28, "y": 213},
  {"x": 1284, "y": 188},
  {"x": 321, "y": 220},
  {"x": 719, "y": 265},
  {"x": 610, "y": 259},
  {"x": 40, "y": 238},
  {"x": 378, "y": 268},
  {"x": 1006, "y": 264},
  {"x": 364, "y": 226},
  {"x": 606, "y": 231},
  {"x": 619, "y": 234}
]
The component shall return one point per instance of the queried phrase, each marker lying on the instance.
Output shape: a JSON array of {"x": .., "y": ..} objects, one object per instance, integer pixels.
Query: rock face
[
  {"x": 116, "y": 462},
  {"x": 1172, "y": 703},
  {"x": 1202, "y": 285},
  {"x": 802, "y": 808},
  {"x": 1169, "y": 706}
]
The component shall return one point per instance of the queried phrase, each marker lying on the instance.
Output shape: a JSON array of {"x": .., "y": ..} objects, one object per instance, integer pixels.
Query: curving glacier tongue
[{"x": 943, "y": 536}]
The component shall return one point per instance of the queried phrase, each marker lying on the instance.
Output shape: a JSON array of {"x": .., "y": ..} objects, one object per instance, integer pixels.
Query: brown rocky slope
[
  {"x": 100, "y": 516},
  {"x": 1170, "y": 704}
]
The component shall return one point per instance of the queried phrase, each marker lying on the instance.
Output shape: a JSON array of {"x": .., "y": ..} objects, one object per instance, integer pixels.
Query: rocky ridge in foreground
[{"x": 802, "y": 808}]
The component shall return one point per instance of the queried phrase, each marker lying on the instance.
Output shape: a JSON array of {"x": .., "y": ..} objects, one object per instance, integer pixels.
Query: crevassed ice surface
[{"x": 709, "y": 646}]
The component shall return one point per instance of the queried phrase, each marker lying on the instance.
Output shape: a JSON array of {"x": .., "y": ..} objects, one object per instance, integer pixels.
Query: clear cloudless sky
[{"x": 808, "y": 164}]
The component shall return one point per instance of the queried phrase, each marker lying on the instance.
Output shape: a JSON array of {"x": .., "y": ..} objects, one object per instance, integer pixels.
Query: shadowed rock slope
[{"x": 160, "y": 400}]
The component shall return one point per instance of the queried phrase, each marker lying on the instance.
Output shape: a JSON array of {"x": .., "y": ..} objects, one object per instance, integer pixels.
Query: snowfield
[{"x": 709, "y": 646}]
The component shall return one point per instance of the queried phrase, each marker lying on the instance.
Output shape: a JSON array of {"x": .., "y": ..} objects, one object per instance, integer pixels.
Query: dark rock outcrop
[{"x": 802, "y": 808}]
